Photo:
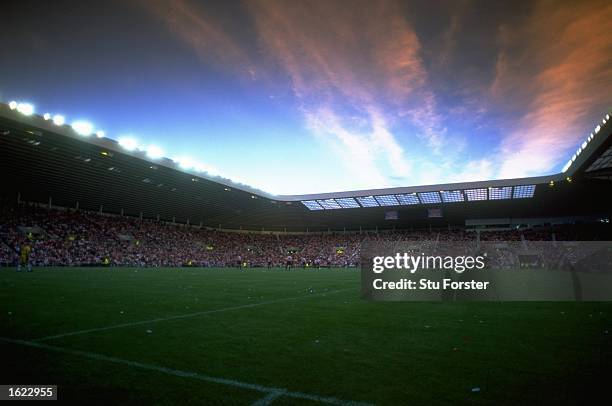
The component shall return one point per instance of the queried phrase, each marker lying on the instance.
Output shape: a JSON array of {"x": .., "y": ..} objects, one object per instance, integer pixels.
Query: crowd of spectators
[
  {"x": 81, "y": 238},
  {"x": 66, "y": 237}
]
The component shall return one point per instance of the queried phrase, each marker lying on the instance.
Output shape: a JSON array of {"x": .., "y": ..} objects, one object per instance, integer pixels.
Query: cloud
[
  {"x": 203, "y": 33},
  {"x": 480, "y": 169},
  {"x": 357, "y": 74},
  {"x": 554, "y": 75},
  {"x": 356, "y": 150}
]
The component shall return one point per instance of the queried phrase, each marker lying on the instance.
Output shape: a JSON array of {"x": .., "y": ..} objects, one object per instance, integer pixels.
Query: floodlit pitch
[{"x": 193, "y": 336}]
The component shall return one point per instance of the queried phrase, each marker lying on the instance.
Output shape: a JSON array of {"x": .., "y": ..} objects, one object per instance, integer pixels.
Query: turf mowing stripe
[
  {"x": 272, "y": 392},
  {"x": 184, "y": 316}
]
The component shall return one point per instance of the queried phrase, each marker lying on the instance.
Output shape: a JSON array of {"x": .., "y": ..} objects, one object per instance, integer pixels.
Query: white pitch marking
[
  {"x": 269, "y": 398},
  {"x": 187, "y": 374},
  {"x": 184, "y": 316}
]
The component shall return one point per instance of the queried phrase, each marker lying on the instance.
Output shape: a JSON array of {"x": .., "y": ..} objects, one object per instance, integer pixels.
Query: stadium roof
[{"x": 43, "y": 158}]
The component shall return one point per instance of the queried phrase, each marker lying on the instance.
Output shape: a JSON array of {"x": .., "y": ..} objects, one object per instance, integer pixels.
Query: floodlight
[
  {"x": 567, "y": 165},
  {"x": 154, "y": 152},
  {"x": 128, "y": 143},
  {"x": 58, "y": 119},
  {"x": 13, "y": 105},
  {"x": 25, "y": 108},
  {"x": 100, "y": 134},
  {"x": 47, "y": 116},
  {"x": 597, "y": 129},
  {"x": 607, "y": 116},
  {"x": 82, "y": 127}
]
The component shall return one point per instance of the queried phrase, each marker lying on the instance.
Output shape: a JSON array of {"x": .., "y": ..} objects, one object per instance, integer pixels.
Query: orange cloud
[
  {"x": 557, "y": 70},
  {"x": 356, "y": 70}
]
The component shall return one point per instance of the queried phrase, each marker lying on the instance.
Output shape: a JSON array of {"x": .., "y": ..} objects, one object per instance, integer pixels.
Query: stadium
[
  {"x": 129, "y": 276},
  {"x": 89, "y": 202}
]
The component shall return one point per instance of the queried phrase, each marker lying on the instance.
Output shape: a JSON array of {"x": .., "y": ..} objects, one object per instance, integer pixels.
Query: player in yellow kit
[{"x": 24, "y": 257}]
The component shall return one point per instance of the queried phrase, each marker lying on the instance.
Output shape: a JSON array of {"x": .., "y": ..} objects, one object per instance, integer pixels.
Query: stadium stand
[
  {"x": 94, "y": 202},
  {"x": 57, "y": 166},
  {"x": 68, "y": 237}
]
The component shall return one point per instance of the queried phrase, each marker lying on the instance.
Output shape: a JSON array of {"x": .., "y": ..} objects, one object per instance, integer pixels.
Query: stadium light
[
  {"x": 100, "y": 134},
  {"x": 25, "y": 108},
  {"x": 47, "y": 116},
  {"x": 597, "y": 129},
  {"x": 82, "y": 127},
  {"x": 128, "y": 143},
  {"x": 13, "y": 105},
  {"x": 58, "y": 119},
  {"x": 567, "y": 165},
  {"x": 154, "y": 152}
]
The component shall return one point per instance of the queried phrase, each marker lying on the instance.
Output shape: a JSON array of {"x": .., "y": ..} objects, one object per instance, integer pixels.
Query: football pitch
[{"x": 255, "y": 336}]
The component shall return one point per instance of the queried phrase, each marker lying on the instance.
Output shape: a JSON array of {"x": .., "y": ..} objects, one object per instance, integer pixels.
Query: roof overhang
[{"x": 40, "y": 160}]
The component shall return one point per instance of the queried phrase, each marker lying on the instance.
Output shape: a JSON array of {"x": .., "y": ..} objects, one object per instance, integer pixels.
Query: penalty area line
[
  {"x": 185, "y": 316},
  {"x": 272, "y": 392}
]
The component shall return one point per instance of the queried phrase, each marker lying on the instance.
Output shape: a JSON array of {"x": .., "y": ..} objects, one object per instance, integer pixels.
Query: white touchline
[
  {"x": 272, "y": 391},
  {"x": 184, "y": 316}
]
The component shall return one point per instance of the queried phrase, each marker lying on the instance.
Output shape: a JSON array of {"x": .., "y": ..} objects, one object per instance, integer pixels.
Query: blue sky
[{"x": 321, "y": 96}]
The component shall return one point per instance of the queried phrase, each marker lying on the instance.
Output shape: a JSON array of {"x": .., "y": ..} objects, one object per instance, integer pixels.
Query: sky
[{"x": 296, "y": 97}]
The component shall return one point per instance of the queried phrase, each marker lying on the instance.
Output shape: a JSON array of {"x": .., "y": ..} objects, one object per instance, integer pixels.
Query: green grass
[{"x": 328, "y": 344}]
